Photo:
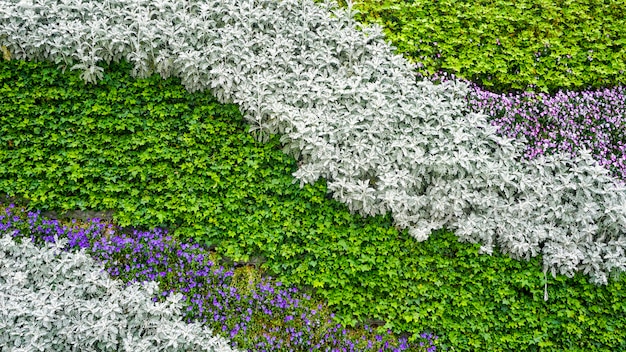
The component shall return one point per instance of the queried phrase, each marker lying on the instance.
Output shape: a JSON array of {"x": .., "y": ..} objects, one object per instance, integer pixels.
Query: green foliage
[
  {"x": 146, "y": 148},
  {"x": 503, "y": 44},
  {"x": 158, "y": 155}
]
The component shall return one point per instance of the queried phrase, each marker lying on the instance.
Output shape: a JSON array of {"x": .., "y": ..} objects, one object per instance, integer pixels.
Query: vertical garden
[{"x": 383, "y": 175}]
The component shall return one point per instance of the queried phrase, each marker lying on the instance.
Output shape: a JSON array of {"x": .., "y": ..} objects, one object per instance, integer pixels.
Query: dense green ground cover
[
  {"x": 504, "y": 45},
  {"x": 159, "y": 156}
]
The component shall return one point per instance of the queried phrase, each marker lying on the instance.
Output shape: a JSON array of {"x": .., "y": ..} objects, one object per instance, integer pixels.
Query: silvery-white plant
[
  {"x": 350, "y": 111},
  {"x": 54, "y": 300}
]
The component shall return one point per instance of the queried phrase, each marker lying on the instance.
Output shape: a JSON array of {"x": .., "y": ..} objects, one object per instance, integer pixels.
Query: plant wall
[{"x": 409, "y": 155}]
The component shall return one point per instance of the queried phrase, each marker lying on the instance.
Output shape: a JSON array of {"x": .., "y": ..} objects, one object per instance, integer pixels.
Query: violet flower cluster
[
  {"x": 566, "y": 121},
  {"x": 260, "y": 315}
]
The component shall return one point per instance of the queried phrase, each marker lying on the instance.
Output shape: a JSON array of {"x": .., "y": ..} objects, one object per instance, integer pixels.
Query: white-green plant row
[
  {"x": 63, "y": 301},
  {"x": 350, "y": 111}
]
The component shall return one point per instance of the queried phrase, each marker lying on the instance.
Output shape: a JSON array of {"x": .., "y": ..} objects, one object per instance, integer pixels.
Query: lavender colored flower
[{"x": 566, "y": 121}]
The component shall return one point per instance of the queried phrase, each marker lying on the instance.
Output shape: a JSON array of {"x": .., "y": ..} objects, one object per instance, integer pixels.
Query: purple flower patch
[{"x": 262, "y": 316}]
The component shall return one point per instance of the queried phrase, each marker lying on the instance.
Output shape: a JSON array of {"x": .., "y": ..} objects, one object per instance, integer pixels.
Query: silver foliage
[
  {"x": 52, "y": 300},
  {"x": 350, "y": 111}
]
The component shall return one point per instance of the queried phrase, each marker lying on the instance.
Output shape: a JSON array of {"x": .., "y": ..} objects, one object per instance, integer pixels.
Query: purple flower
[{"x": 270, "y": 315}]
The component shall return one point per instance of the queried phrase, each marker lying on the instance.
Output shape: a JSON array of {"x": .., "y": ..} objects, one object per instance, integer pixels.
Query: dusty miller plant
[
  {"x": 350, "y": 111},
  {"x": 54, "y": 300}
]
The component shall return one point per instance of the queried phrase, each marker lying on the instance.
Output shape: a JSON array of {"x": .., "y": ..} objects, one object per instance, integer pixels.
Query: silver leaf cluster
[
  {"x": 53, "y": 300},
  {"x": 350, "y": 111}
]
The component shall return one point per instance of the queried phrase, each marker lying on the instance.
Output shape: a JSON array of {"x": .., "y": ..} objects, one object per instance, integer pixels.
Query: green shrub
[{"x": 503, "y": 45}]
